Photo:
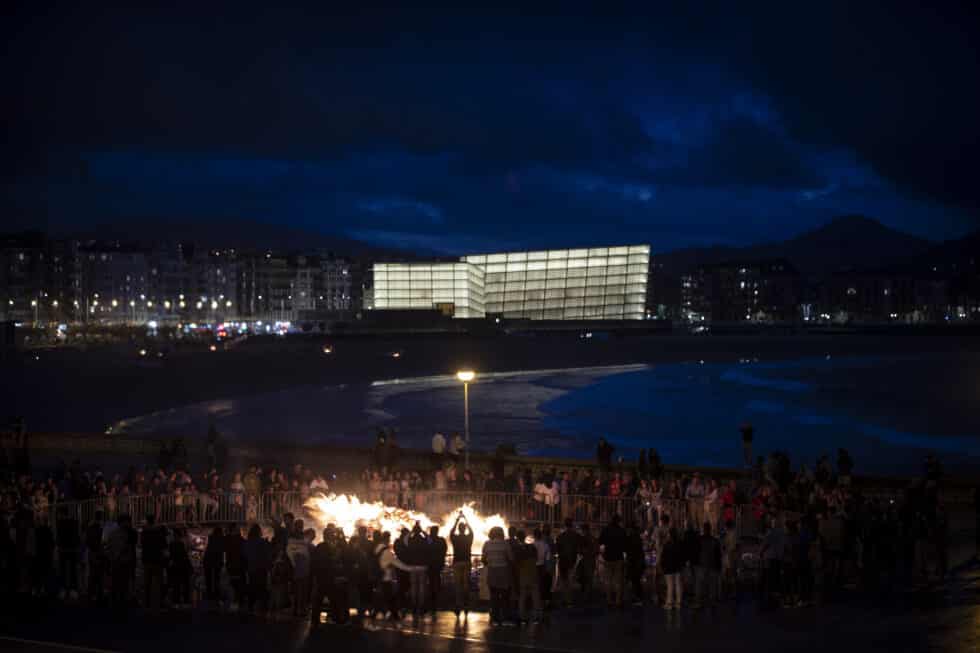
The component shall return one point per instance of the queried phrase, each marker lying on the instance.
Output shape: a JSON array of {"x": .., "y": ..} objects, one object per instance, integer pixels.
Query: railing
[{"x": 528, "y": 510}]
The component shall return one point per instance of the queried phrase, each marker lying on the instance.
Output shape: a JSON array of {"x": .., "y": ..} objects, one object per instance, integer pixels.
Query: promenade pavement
[{"x": 942, "y": 618}]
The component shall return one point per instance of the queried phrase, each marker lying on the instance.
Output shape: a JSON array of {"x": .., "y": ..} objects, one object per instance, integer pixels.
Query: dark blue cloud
[{"x": 474, "y": 130}]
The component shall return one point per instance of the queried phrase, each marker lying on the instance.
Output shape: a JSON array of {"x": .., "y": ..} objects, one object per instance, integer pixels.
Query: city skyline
[{"x": 491, "y": 131}]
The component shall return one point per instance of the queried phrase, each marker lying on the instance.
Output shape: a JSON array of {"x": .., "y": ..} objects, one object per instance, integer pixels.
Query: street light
[{"x": 466, "y": 376}]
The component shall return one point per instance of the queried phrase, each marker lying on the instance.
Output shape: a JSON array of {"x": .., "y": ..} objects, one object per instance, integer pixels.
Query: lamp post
[{"x": 466, "y": 376}]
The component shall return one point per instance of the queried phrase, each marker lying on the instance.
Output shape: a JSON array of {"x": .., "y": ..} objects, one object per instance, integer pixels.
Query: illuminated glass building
[
  {"x": 564, "y": 284},
  {"x": 454, "y": 286}
]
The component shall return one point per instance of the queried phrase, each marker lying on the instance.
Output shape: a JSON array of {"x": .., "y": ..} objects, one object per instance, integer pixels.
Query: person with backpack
[
  {"x": 388, "y": 562},
  {"x": 498, "y": 559},
  {"x": 528, "y": 583}
]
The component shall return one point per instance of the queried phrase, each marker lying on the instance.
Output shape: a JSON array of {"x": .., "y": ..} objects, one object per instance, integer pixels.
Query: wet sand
[{"x": 83, "y": 391}]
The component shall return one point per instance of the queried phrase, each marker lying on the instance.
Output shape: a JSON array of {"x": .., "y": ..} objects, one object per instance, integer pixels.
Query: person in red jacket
[{"x": 728, "y": 503}]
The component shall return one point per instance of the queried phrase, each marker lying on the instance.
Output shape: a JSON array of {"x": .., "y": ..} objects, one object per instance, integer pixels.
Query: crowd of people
[{"x": 671, "y": 538}]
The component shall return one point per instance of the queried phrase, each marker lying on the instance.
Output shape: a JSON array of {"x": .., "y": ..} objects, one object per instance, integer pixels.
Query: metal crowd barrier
[{"x": 528, "y": 510}]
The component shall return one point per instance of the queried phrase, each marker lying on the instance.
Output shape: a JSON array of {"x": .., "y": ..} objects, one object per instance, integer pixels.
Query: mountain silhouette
[{"x": 850, "y": 242}]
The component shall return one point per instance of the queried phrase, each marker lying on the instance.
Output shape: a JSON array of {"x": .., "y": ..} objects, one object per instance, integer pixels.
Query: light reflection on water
[{"x": 887, "y": 411}]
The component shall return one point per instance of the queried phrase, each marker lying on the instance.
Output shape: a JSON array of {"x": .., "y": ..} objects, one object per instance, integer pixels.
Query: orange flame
[{"x": 348, "y": 512}]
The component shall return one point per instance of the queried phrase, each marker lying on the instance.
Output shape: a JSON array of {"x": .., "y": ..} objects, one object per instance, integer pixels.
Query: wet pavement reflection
[{"x": 941, "y": 619}]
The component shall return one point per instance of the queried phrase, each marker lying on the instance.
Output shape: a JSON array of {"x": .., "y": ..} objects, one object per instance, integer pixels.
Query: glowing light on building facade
[{"x": 565, "y": 284}]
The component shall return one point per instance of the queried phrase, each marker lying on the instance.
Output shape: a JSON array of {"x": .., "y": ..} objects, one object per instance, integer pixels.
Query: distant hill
[
  {"x": 848, "y": 242},
  {"x": 951, "y": 255}
]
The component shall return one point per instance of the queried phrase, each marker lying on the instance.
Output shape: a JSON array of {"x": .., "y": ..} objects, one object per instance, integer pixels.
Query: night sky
[{"x": 449, "y": 130}]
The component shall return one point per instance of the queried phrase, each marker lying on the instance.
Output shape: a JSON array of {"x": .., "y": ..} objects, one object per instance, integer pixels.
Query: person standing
[
  {"x": 214, "y": 560},
  {"x": 365, "y": 569},
  {"x": 235, "y": 563},
  {"x": 456, "y": 447},
  {"x": 707, "y": 569},
  {"x": 695, "y": 500},
  {"x": 498, "y": 560},
  {"x": 568, "y": 547},
  {"x": 528, "y": 580},
  {"x": 401, "y": 572},
  {"x": 604, "y": 453},
  {"x": 545, "y": 545},
  {"x": 712, "y": 505},
  {"x": 153, "y": 542},
  {"x": 462, "y": 541},
  {"x": 438, "y": 449},
  {"x": 612, "y": 544},
  {"x": 298, "y": 552},
  {"x": 773, "y": 552},
  {"x": 417, "y": 557},
  {"x": 435, "y": 563},
  {"x": 95, "y": 560},
  {"x": 730, "y": 560},
  {"x": 321, "y": 572},
  {"x": 659, "y": 540},
  {"x": 69, "y": 543},
  {"x": 672, "y": 563},
  {"x": 790, "y": 570},
  {"x": 388, "y": 563},
  {"x": 635, "y": 563},
  {"x": 43, "y": 564},
  {"x": 589, "y": 553},
  {"x": 746, "y": 431},
  {"x": 257, "y": 555},
  {"x": 180, "y": 570},
  {"x": 121, "y": 553}
]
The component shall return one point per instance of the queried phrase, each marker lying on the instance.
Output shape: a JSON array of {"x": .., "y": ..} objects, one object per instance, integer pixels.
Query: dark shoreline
[{"x": 69, "y": 390}]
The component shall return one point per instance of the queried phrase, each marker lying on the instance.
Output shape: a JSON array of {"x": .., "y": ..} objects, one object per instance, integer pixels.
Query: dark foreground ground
[{"x": 940, "y": 619}]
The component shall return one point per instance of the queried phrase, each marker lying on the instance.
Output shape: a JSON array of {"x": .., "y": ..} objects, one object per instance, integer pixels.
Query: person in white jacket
[{"x": 388, "y": 562}]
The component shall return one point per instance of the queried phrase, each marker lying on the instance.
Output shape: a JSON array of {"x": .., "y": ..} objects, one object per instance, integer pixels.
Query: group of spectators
[{"x": 664, "y": 536}]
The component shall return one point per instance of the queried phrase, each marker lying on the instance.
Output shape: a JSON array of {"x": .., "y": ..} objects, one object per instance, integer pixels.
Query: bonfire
[{"x": 348, "y": 512}]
